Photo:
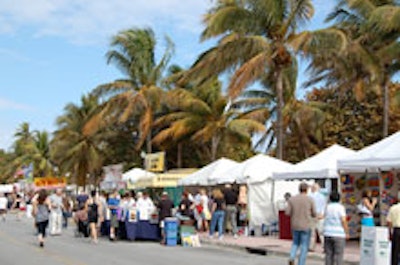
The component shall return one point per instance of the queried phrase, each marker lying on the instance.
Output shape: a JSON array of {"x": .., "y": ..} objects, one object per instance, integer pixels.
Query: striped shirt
[{"x": 333, "y": 220}]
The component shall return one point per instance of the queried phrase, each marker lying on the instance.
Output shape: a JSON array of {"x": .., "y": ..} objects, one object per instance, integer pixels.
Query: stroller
[{"x": 82, "y": 223}]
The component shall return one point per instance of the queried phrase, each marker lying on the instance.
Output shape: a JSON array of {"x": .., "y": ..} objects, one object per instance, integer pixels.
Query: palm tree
[
  {"x": 204, "y": 116},
  {"x": 360, "y": 51},
  {"x": 79, "y": 152},
  {"x": 139, "y": 94},
  {"x": 32, "y": 147},
  {"x": 255, "y": 43}
]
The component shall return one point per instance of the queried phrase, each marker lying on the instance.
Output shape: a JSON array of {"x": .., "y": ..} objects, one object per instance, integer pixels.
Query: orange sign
[{"x": 50, "y": 181}]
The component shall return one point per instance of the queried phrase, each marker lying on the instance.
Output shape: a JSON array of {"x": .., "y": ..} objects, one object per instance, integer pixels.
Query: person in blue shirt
[{"x": 113, "y": 203}]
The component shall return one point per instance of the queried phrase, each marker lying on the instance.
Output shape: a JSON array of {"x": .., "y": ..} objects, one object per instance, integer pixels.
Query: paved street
[{"x": 18, "y": 246}]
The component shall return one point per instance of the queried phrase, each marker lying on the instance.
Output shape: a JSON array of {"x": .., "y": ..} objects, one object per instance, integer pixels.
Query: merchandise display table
[
  {"x": 142, "y": 230},
  {"x": 135, "y": 230}
]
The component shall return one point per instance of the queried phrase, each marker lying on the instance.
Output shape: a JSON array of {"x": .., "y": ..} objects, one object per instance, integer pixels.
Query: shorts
[
  {"x": 41, "y": 227},
  {"x": 114, "y": 222}
]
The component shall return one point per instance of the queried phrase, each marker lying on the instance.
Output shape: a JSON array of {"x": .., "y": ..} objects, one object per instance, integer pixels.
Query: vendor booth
[
  {"x": 321, "y": 166},
  {"x": 263, "y": 192},
  {"x": 167, "y": 181},
  {"x": 376, "y": 168}
]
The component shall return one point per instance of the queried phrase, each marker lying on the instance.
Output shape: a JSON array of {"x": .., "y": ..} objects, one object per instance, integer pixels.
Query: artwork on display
[
  {"x": 132, "y": 215},
  {"x": 190, "y": 240},
  {"x": 113, "y": 173},
  {"x": 384, "y": 186}
]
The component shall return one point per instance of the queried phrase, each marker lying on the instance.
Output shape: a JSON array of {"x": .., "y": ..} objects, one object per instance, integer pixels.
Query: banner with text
[{"x": 155, "y": 162}]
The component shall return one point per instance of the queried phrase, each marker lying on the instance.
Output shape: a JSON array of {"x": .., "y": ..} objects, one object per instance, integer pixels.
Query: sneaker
[
  {"x": 235, "y": 236},
  {"x": 291, "y": 262},
  {"x": 41, "y": 244},
  {"x": 221, "y": 237}
]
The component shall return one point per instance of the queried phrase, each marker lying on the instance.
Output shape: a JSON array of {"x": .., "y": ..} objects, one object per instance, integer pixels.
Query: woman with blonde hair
[{"x": 217, "y": 213}]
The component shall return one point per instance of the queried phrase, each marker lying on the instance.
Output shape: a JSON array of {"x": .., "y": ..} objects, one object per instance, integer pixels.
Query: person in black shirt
[
  {"x": 218, "y": 213},
  {"x": 164, "y": 210},
  {"x": 185, "y": 206},
  {"x": 231, "y": 198}
]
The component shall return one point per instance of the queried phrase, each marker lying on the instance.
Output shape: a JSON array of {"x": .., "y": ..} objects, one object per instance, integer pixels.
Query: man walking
[
  {"x": 301, "y": 209},
  {"x": 231, "y": 208},
  {"x": 393, "y": 220},
  {"x": 318, "y": 222},
  {"x": 56, "y": 212}
]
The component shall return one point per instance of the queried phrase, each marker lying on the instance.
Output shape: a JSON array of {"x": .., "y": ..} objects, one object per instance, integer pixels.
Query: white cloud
[
  {"x": 6, "y": 104},
  {"x": 88, "y": 21}
]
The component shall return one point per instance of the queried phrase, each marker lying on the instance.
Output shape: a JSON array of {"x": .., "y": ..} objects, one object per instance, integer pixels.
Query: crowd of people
[{"x": 216, "y": 212}]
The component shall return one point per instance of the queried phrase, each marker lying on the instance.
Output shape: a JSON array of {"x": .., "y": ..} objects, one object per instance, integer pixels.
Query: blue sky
[{"x": 52, "y": 51}]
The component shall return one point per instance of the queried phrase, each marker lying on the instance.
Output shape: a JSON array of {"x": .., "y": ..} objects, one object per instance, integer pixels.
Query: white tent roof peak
[
  {"x": 255, "y": 169},
  {"x": 209, "y": 174},
  {"x": 382, "y": 155},
  {"x": 136, "y": 173},
  {"x": 322, "y": 165}
]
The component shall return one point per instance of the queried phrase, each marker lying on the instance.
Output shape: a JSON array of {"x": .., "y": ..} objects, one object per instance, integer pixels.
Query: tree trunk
[
  {"x": 279, "y": 122},
  {"x": 148, "y": 143},
  {"x": 386, "y": 110},
  {"x": 214, "y": 147},
  {"x": 179, "y": 156}
]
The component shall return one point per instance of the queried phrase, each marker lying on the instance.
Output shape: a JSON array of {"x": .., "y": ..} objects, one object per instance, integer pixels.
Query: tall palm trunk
[
  {"x": 179, "y": 156},
  {"x": 279, "y": 122},
  {"x": 385, "y": 123},
  {"x": 214, "y": 147},
  {"x": 149, "y": 149}
]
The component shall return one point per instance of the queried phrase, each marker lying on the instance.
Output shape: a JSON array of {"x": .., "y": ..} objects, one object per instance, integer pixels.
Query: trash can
[{"x": 171, "y": 231}]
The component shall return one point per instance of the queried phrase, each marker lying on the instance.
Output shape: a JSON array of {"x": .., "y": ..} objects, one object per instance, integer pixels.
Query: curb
[{"x": 265, "y": 251}]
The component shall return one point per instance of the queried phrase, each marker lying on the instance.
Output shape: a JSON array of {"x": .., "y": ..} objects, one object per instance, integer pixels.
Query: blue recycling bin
[{"x": 171, "y": 231}]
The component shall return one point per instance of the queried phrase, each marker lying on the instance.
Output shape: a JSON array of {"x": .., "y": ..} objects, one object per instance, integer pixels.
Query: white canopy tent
[
  {"x": 134, "y": 174},
  {"x": 208, "y": 175},
  {"x": 380, "y": 156},
  {"x": 263, "y": 192},
  {"x": 320, "y": 166}
]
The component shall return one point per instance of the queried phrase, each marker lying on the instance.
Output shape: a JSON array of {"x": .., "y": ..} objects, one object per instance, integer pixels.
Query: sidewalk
[{"x": 275, "y": 246}]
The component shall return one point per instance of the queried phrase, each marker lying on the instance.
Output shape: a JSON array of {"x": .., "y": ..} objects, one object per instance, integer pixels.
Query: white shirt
[
  {"x": 204, "y": 201},
  {"x": 145, "y": 208},
  {"x": 3, "y": 203},
  {"x": 319, "y": 201},
  {"x": 333, "y": 220}
]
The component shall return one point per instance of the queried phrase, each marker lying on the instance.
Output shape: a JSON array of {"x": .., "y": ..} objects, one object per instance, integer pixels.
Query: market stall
[
  {"x": 321, "y": 166},
  {"x": 376, "y": 168},
  {"x": 263, "y": 192}
]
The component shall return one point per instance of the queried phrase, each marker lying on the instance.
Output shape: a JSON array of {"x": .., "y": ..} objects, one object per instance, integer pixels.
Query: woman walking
[
  {"x": 41, "y": 208},
  {"x": 93, "y": 207},
  {"x": 217, "y": 213}
]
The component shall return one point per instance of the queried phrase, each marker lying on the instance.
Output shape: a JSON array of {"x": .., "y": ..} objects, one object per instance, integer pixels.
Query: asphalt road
[{"x": 18, "y": 246}]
